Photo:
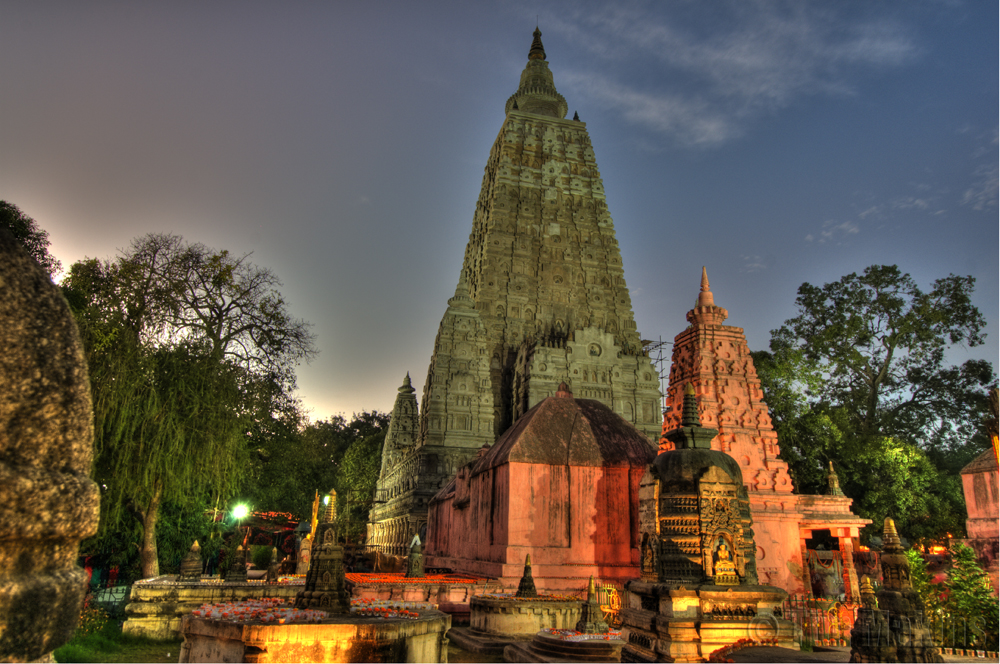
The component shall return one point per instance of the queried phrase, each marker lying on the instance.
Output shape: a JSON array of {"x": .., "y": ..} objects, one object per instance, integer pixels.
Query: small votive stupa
[
  {"x": 890, "y": 623},
  {"x": 706, "y": 594},
  {"x": 325, "y": 588}
]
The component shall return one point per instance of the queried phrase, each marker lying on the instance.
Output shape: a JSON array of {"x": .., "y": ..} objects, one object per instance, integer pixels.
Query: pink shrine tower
[{"x": 715, "y": 359}]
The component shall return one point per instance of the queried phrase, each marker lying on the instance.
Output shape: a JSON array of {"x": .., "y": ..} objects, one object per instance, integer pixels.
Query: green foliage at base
[
  {"x": 260, "y": 554},
  {"x": 109, "y": 644},
  {"x": 961, "y": 611}
]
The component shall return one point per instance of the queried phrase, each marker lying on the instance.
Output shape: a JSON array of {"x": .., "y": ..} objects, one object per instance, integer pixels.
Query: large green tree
[
  {"x": 27, "y": 231},
  {"x": 860, "y": 377},
  {"x": 192, "y": 355}
]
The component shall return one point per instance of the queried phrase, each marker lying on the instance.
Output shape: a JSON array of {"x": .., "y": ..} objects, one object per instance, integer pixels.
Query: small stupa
[
  {"x": 325, "y": 588},
  {"x": 238, "y": 567},
  {"x": 191, "y": 565},
  {"x": 890, "y": 625},
  {"x": 706, "y": 595},
  {"x": 591, "y": 618},
  {"x": 526, "y": 587}
]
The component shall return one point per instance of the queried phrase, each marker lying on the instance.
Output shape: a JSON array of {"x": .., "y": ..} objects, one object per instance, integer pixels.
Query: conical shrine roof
[{"x": 564, "y": 431}]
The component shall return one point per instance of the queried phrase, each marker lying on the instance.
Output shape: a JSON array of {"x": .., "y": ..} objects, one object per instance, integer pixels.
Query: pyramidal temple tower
[
  {"x": 541, "y": 300},
  {"x": 805, "y": 543}
]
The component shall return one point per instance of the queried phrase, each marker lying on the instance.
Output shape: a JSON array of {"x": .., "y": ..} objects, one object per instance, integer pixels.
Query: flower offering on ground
[
  {"x": 268, "y": 610},
  {"x": 539, "y": 598},
  {"x": 573, "y": 635},
  {"x": 365, "y": 578}
]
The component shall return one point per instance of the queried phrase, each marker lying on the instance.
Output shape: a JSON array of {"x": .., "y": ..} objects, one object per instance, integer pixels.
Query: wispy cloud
[
  {"x": 982, "y": 195},
  {"x": 832, "y": 231},
  {"x": 717, "y": 66},
  {"x": 753, "y": 264}
]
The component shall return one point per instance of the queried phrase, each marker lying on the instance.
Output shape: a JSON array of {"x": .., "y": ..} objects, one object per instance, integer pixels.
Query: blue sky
[{"x": 344, "y": 145}]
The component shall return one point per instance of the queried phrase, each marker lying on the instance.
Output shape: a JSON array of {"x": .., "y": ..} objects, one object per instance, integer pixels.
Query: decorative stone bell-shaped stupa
[
  {"x": 703, "y": 510},
  {"x": 191, "y": 565},
  {"x": 706, "y": 594},
  {"x": 325, "y": 588}
]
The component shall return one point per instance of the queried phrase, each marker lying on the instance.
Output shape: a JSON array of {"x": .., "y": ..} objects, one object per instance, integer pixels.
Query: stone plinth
[
  {"x": 452, "y": 593},
  {"x": 156, "y": 606},
  {"x": 662, "y": 622},
  {"x": 344, "y": 639},
  {"x": 547, "y": 647},
  {"x": 508, "y": 617},
  {"x": 48, "y": 502}
]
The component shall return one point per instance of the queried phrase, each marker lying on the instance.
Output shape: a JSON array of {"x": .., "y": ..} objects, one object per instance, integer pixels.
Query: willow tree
[{"x": 189, "y": 349}]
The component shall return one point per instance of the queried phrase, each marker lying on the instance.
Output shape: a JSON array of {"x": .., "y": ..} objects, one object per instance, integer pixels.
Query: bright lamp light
[{"x": 240, "y": 511}]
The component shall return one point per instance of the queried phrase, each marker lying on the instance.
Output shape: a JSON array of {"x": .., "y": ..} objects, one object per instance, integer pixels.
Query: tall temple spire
[
  {"x": 541, "y": 299},
  {"x": 537, "y": 91},
  {"x": 537, "y": 51}
]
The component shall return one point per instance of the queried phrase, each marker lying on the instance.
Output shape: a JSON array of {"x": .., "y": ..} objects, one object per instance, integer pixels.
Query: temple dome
[
  {"x": 564, "y": 431},
  {"x": 681, "y": 469}
]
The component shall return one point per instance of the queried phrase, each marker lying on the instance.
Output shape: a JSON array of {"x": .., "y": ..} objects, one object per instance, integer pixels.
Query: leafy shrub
[
  {"x": 92, "y": 618},
  {"x": 260, "y": 555}
]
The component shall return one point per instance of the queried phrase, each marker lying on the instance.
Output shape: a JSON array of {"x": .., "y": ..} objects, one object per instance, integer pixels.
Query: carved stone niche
[{"x": 48, "y": 502}]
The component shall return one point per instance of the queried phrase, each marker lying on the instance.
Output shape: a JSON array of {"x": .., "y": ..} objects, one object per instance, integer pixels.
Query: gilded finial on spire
[
  {"x": 537, "y": 51},
  {"x": 833, "y": 483},
  {"x": 330, "y": 514},
  {"x": 705, "y": 297}
]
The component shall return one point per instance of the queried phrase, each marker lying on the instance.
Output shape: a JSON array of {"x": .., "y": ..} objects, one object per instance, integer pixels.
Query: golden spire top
[
  {"x": 890, "y": 538},
  {"x": 330, "y": 514},
  {"x": 705, "y": 297},
  {"x": 527, "y": 560},
  {"x": 537, "y": 51},
  {"x": 591, "y": 589}
]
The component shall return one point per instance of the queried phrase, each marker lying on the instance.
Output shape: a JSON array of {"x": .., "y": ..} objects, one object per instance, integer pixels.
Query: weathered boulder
[{"x": 48, "y": 502}]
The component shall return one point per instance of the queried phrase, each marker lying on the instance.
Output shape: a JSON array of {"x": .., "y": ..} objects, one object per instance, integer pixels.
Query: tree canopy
[
  {"x": 27, "y": 231},
  {"x": 192, "y": 357},
  {"x": 860, "y": 377}
]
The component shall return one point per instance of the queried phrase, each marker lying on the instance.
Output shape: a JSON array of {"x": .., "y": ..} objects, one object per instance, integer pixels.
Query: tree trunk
[{"x": 147, "y": 555}]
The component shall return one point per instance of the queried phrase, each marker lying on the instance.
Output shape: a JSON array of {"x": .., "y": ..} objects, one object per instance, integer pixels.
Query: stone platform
[
  {"x": 549, "y": 647},
  {"x": 500, "y": 619},
  {"x": 452, "y": 593},
  {"x": 346, "y": 638},
  {"x": 156, "y": 606}
]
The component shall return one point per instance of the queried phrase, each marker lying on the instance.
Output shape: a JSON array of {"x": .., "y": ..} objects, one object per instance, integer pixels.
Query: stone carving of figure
[{"x": 305, "y": 551}]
